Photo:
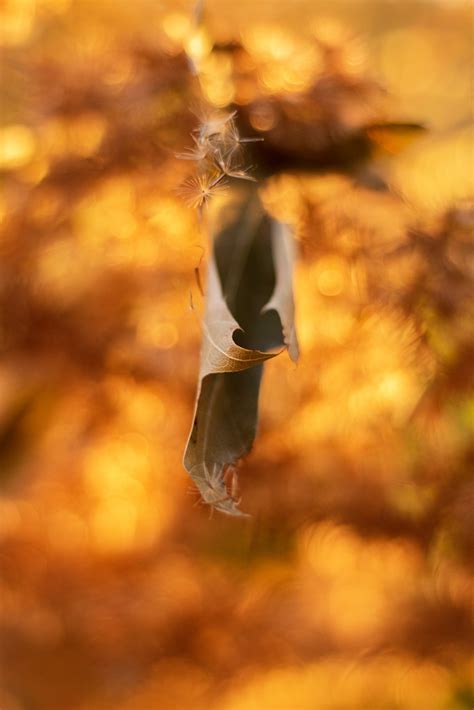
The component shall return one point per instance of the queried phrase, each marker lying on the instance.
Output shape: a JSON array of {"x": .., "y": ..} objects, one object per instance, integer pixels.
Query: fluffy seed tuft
[{"x": 217, "y": 153}]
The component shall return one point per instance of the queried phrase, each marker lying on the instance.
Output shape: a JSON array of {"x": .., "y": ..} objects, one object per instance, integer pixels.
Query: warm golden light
[
  {"x": 17, "y": 146},
  {"x": 341, "y": 129}
]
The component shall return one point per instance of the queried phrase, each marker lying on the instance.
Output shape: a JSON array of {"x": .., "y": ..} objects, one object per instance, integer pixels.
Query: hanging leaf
[
  {"x": 249, "y": 313},
  {"x": 282, "y": 301}
]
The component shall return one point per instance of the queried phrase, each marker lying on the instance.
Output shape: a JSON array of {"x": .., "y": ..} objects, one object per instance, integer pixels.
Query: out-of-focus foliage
[{"x": 350, "y": 586}]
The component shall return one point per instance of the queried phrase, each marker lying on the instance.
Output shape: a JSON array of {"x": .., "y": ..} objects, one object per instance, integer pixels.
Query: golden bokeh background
[{"x": 350, "y": 587}]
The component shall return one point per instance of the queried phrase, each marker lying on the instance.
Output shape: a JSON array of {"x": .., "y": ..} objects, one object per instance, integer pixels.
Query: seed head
[
  {"x": 197, "y": 190},
  {"x": 217, "y": 153}
]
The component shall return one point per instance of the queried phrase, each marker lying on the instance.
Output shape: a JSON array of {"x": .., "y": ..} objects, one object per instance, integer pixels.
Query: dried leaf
[
  {"x": 249, "y": 312},
  {"x": 282, "y": 299}
]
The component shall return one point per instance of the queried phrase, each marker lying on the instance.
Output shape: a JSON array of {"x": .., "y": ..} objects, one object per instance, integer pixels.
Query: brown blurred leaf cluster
[{"x": 351, "y": 585}]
